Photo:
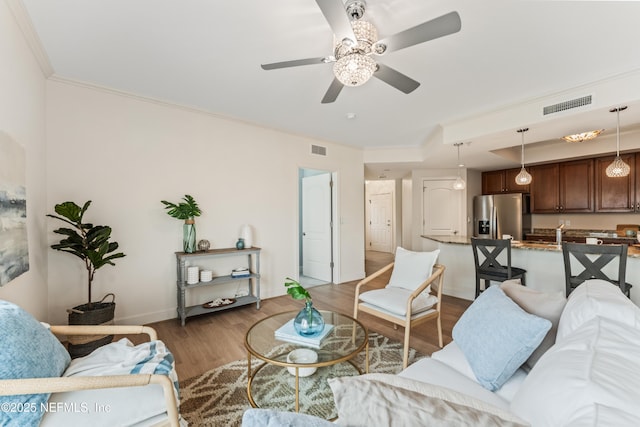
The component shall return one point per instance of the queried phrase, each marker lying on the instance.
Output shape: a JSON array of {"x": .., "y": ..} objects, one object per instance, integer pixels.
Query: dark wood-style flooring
[{"x": 211, "y": 340}]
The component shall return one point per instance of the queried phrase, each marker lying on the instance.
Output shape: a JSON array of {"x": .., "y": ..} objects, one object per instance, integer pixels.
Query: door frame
[{"x": 335, "y": 229}]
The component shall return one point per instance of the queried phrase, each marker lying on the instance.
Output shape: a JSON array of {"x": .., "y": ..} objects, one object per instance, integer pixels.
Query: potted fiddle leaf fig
[
  {"x": 187, "y": 211},
  {"x": 91, "y": 244}
]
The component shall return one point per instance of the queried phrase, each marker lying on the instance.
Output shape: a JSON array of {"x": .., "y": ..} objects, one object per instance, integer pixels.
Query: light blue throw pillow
[
  {"x": 497, "y": 337},
  {"x": 27, "y": 350}
]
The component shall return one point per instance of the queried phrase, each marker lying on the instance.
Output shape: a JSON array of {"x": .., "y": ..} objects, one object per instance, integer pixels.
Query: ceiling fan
[{"x": 356, "y": 41}]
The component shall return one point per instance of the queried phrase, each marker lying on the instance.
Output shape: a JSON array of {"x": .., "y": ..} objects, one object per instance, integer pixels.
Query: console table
[{"x": 253, "y": 295}]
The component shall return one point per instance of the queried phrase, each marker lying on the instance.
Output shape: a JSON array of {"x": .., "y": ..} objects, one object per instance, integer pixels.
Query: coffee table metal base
[{"x": 272, "y": 386}]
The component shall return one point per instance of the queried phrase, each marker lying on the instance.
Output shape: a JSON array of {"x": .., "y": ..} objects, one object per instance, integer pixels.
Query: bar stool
[
  {"x": 592, "y": 265},
  {"x": 490, "y": 268}
]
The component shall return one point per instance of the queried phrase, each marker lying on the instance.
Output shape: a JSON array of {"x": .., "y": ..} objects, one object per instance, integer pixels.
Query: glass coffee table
[{"x": 278, "y": 384}]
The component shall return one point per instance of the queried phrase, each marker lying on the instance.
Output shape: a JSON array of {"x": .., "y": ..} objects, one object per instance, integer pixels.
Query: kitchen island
[{"x": 543, "y": 261}]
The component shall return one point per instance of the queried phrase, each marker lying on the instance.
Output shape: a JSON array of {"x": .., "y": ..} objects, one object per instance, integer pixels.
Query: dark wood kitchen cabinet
[
  {"x": 544, "y": 188},
  {"x": 616, "y": 194},
  {"x": 563, "y": 187},
  {"x": 502, "y": 181}
]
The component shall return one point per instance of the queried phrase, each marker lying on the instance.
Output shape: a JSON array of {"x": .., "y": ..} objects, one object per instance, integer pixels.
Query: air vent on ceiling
[
  {"x": 319, "y": 150},
  {"x": 567, "y": 105}
]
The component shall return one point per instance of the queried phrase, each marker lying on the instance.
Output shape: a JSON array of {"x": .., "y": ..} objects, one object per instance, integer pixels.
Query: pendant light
[
  {"x": 524, "y": 177},
  {"x": 618, "y": 168},
  {"x": 459, "y": 183}
]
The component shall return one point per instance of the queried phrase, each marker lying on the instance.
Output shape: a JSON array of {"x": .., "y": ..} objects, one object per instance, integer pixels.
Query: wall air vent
[
  {"x": 319, "y": 150},
  {"x": 567, "y": 105}
]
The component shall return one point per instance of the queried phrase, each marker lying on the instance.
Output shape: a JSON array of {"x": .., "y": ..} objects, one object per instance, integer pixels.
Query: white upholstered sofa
[
  {"x": 519, "y": 357},
  {"x": 116, "y": 385}
]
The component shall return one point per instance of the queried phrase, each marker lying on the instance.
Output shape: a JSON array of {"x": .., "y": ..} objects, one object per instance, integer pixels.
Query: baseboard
[{"x": 146, "y": 318}]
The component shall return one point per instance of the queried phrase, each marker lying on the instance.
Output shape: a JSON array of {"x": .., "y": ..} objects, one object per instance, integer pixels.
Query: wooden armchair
[
  {"x": 26, "y": 386},
  {"x": 403, "y": 306}
]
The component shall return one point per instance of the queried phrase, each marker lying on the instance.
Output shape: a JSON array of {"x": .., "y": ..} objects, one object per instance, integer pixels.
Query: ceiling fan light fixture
[
  {"x": 618, "y": 168},
  {"x": 354, "y": 69},
  {"x": 584, "y": 136}
]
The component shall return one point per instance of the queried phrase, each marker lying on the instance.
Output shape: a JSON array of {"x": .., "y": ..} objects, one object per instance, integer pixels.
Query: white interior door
[
  {"x": 380, "y": 222},
  {"x": 441, "y": 206},
  {"x": 316, "y": 226}
]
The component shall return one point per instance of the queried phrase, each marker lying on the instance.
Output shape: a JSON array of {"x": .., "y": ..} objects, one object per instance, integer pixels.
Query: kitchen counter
[
  {"x": 538, "y": 245},
  {"x": 542, "y": 260},
  {"x": 579, "y": 236}
]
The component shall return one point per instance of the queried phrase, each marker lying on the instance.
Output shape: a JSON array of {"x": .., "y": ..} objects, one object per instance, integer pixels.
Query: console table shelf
[{"x": 253, "y": 296}]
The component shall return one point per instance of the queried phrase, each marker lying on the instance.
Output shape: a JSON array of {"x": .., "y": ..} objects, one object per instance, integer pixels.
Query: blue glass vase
[
  {"x": 189, "y": 236},
  {"x": 309, "y": 322}
]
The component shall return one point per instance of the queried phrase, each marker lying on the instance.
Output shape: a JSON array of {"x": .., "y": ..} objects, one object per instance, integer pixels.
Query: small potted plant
[
  {"x": 91, "y": 244},
  {"x": 309, "y": 321},
  {"x": 186, "y": 211}
]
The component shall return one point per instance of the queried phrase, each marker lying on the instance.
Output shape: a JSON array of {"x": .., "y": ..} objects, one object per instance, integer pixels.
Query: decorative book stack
[
  {"x": 240, "y": 272},
  {"x": 288, "y": 333}
]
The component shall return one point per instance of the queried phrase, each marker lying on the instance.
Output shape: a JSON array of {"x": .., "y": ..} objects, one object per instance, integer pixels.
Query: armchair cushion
[
  {"x": 394, "y": 300},
  {"x": 411, "y": 269},
  {"x": 126, "y": 406},
  {"x": 497, "y": 336},
  {"x": 27, "y": 350}
]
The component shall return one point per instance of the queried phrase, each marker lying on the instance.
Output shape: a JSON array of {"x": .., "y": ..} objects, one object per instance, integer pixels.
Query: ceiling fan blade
[
  {"x": 332, "y": 92},
  {"x": 396, "y": 79},
  {"x": 295, "y": 63},
  {"x": 336, "y": 16},
  {"x": 438, "y": 27}
]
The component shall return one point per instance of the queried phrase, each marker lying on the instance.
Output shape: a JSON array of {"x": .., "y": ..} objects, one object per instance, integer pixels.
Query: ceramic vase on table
[{"x": 309, "y": 322}]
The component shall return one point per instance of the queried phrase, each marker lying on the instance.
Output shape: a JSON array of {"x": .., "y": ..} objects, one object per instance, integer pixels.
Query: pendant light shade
[
  {"x": 459, "y": 183},
  {"x": 618, "y": 168},
  {"x": 524, "y": 177}
]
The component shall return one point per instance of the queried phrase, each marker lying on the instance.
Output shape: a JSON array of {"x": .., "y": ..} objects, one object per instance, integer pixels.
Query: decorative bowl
[{"x": 302, "y": 356}]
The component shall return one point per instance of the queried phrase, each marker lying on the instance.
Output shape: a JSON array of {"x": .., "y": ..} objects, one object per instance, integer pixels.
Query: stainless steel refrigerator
[{"x": 499, "y": 214}]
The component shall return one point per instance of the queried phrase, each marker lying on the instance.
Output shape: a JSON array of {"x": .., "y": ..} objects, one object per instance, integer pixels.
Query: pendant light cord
[
  {"x": 618, "y": 132},
  {"x": 522, "y": 131}
]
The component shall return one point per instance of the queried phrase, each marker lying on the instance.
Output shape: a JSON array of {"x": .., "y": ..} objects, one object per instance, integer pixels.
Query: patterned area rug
[{"x": 219, "y": 397}]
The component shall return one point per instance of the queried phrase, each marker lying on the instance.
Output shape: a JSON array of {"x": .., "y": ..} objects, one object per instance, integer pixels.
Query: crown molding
[{"x": 23, "y": 20}]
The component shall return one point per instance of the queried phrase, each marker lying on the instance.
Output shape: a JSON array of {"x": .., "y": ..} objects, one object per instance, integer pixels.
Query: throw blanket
[
  {"x": 383, "y": 399},
  {"x": 122, "y": 358}
]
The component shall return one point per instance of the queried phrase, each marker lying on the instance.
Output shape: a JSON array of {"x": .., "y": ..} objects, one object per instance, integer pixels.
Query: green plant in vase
[
  {"x": 309, "y": 321},
  {"x": 186, "y": 211}
]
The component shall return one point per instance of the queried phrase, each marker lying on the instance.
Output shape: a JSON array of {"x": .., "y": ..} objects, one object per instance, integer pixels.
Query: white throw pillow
[
  {"x": 596, "y": 297},
  {"x": 548, "y": 305},
  {"x": 411, "y": 269},
  {"x": 385, "y": 399},
  {"x": 597, "y": 364}
]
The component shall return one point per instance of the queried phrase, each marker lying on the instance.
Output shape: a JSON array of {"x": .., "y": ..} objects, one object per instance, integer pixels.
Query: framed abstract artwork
[{"x": 14, "y": 250}]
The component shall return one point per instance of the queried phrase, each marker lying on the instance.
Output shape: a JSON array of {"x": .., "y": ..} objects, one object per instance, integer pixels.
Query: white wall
[
  {"x": 126, "y": 154},
  {"x": 22, "y": 118}
]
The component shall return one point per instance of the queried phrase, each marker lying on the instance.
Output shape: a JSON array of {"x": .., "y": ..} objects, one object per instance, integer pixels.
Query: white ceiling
[{"x": 478, "y": 85}]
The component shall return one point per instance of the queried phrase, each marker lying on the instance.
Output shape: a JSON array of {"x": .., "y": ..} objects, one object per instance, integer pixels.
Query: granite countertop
[
  {"x": 578, "y": 233},
  {"x": 633, "y": 251}
]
